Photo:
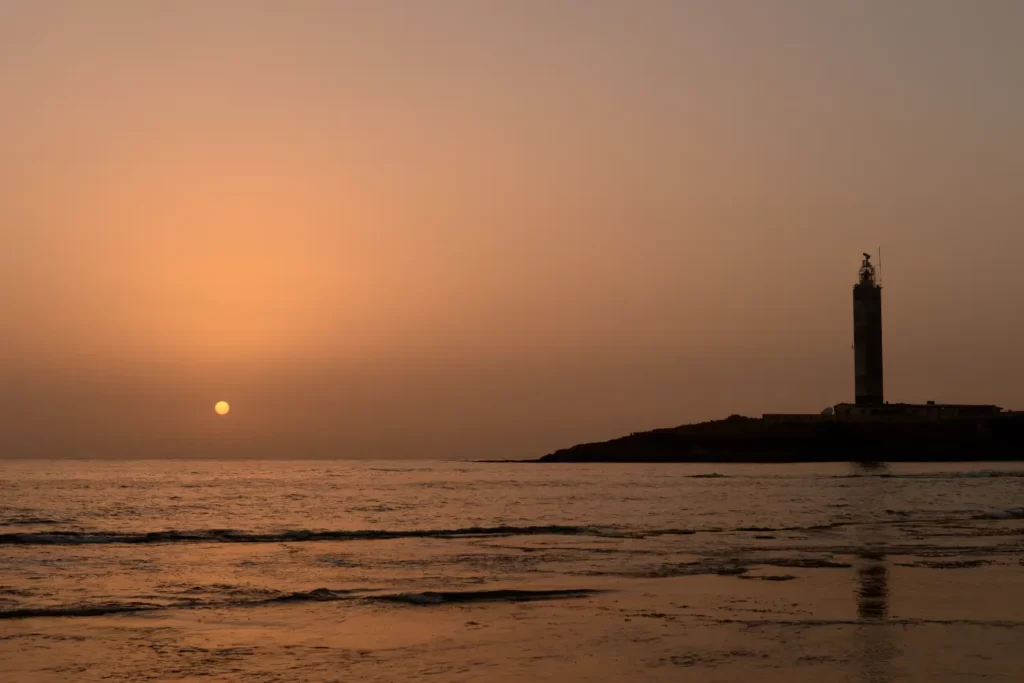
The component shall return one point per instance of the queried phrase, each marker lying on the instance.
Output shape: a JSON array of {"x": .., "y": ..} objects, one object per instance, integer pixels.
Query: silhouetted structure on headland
[
  {"x": 867, "y": 336},
  {"x": 867, "y": 429}
]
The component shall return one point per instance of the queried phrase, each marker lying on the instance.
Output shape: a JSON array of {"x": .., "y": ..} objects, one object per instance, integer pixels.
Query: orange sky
[{"x": 473, "y": 229}]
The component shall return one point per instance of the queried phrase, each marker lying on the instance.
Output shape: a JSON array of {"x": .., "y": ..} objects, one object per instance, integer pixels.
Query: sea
[{"x": 453, "y": 571}]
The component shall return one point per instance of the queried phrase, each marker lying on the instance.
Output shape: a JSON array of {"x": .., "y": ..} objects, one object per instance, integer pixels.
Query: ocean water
[{"x": 136, "y": 570}]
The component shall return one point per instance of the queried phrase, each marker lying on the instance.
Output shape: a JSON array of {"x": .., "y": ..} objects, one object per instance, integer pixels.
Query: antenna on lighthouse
[{"x": 879, "y": 266}]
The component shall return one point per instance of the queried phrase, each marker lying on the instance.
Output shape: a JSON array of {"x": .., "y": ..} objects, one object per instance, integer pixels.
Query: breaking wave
[
  {"x": 27, "y": 520},
  {"x": 233, "y": 536},
  {"x": 437, "y": 598},
  {"x": 980, "y": 474},
  {"x": 1012, "y": 513},
  {"x": 316, "y": 595},
  {"x": 79, "y": 610},
  {"x": 36, "y": 538}
]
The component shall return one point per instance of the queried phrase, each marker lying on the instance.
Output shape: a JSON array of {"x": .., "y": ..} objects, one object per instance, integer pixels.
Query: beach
[{"x": 385, "y": 571}]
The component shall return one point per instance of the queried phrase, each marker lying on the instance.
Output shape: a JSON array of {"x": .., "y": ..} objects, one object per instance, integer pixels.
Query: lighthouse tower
[{"x": 867, "y": 336}]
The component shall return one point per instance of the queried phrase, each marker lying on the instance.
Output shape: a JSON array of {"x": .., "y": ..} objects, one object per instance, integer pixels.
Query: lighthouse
[{"x": 867, "y": 336}]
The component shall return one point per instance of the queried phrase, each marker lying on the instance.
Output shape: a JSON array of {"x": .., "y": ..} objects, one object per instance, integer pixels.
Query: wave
[
  {"x": 79, "y": 610},
  {"x": 437, "y": 598},
  {"x": 946, "y": 564},
  {"x": 234, "y": 536},
  {"x": 1012, "y": 513},
  {"x": 27, "y": 520},
  {"x": 312, "y": 535},
  {"x": 980, "y": 474},
  {"x": 316, "y": 595}
]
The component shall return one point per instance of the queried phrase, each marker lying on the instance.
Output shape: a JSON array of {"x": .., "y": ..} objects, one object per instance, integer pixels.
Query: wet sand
[
  {"x": 875, "y": 621},
  {"x": 282, "y": 572}
]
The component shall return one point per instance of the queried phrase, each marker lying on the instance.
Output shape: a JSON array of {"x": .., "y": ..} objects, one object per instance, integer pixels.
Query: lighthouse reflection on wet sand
[{"x": 867, "y": 336}]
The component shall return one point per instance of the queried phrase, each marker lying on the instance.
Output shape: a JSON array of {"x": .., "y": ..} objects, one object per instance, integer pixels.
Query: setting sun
[{"x": 222, "y": 408}]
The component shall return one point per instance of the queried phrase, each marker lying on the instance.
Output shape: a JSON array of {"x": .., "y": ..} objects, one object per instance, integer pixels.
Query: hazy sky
[{"x": 477, "y": 228}]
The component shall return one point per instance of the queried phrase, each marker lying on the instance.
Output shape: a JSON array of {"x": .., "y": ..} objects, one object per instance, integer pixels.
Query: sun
[{"x": 222, "y": 408}]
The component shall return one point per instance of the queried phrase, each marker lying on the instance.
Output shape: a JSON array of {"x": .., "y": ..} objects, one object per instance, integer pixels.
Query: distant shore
[{"x": 739, "y": 439}]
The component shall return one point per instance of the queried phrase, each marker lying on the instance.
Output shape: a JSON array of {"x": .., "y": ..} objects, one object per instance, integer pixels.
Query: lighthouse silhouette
[{"x": 867, "y": 336}]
